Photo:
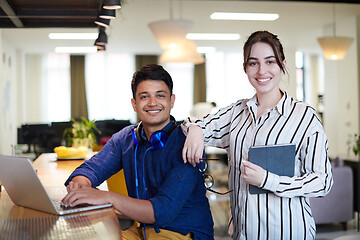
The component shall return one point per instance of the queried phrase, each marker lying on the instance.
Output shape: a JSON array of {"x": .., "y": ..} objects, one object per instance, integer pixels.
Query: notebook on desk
[{"x": 25, "y": 188}]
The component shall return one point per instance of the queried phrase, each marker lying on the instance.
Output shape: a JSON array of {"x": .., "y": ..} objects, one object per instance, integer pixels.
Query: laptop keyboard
[
  {"x": 67, "y": 227},
  {"x": 60, "y": 207}
]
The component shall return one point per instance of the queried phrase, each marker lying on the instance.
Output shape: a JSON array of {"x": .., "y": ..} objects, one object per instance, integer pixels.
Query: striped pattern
[{"x": 286, "y": 214}]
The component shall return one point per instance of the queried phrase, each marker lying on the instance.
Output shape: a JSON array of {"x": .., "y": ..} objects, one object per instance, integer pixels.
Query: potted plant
[
  {"x": 81, "y": 133},
  {"x": 354, "y": 144}
]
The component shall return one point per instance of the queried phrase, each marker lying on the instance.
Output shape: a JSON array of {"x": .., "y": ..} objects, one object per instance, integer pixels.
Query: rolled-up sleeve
[{"x": 101, "y": 166}]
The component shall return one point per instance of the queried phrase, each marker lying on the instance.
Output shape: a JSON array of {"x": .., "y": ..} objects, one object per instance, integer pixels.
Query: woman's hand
[
  {"x": 253, "y": 174},
  {"x": 194, "y": 146}
]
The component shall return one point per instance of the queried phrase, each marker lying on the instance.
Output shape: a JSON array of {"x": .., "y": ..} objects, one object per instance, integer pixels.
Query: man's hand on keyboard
[
  {"x": 87, "y": 195},
  {"x": 78, "y": 182}
]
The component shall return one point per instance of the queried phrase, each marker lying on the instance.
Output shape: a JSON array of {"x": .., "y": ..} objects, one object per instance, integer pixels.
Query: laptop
[{"x": 25, "y": 188}]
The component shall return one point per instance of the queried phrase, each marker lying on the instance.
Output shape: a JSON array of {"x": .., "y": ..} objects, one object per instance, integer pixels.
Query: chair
[
  {"x": 337, "y": 205},
  {"x": 116, "y": 183}
]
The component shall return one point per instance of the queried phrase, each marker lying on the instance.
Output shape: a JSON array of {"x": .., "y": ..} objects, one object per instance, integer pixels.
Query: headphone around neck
[{"x": 157, "y": 140}]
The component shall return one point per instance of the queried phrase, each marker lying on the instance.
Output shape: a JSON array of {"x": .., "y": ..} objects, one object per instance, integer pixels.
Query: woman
[{"x": 270, "y": 117}]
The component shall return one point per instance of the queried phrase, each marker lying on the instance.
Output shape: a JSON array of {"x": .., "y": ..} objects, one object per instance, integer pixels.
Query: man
[{"x": 165, "y": 195}]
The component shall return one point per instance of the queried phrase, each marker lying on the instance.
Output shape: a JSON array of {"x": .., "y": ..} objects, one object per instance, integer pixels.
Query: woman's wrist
[{"x": 189, "y": 122}]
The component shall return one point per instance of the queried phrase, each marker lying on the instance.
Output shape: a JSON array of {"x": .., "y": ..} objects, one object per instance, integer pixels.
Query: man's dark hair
[{"x": 151, "y": 72}]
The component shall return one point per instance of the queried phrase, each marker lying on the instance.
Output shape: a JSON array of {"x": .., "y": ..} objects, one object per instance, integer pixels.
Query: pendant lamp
[
  {"x": 335, "y": 48},
  {"x": 107, "y": 13},
  {"x": 171, "y": 36},
  {"x": 101, "y": 48},
  {"x": 102, "y": 22},
  {"x": 102, "y": 38},
  {"x": 111, "y": 4},
  {"x": 171, "y": 33},
  {"x": 185, "y": 53}
]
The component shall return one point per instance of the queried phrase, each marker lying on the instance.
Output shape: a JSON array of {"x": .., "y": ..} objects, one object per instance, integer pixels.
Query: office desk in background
[{"x": 31, "y": 224}]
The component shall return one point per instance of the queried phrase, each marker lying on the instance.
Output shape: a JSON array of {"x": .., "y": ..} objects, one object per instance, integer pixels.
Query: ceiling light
[
  {"x": 107, "y": 13},
  {"x": 213, "y": 36},
  {"x": 98, "y": 46},
  {"x": 75, "y": 49},
  {"x": 206, "y": 49},
  {"x": 186, "y": 53},
  {"x": 74, "y": 36},
  {"x": 335, "y": 48},
  {"x": 171, "y": 33},
  {"x": 102, "y": 22},
  {"x": 101, "y": 48},
  {"x": 102, "y": 39},
  {"x": 244, "y": 16},
  {"x": 111, "y": 4}
]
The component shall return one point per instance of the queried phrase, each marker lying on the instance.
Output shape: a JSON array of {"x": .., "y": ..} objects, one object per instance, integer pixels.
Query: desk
[
  {"x": 102, "y": 224},
  {"x": 355, "y": 166}
]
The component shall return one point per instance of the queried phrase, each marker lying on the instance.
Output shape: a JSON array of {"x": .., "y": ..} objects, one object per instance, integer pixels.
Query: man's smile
[{"x": 153, "y": 111}]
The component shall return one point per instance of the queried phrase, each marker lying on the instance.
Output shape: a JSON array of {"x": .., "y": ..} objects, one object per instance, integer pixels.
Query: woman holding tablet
[{"x": 270, "y": 117}]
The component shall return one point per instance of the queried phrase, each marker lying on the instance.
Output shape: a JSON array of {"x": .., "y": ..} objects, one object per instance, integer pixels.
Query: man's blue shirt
[{"x": 175, "y": 190}]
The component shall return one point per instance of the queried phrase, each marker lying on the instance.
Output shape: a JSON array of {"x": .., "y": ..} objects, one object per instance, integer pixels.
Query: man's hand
[
  {"x": 253, "y": 174},
  {"x": 78, "y": 182},
  {"x": 194, "y": 146},
  {"x": 86, "y": 195}
]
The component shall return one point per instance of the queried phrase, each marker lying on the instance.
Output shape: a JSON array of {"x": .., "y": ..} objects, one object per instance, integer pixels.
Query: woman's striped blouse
[{"x": 285, "y": 213}]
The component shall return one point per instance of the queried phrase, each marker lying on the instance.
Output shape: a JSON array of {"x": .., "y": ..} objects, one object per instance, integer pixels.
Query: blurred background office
[
  {"x": 38, "y": 75},
  {"x": 46, "y": 79}
]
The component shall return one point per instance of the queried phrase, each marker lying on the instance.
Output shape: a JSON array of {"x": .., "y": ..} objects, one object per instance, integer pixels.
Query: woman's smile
[{"x": 263, "y": 80}]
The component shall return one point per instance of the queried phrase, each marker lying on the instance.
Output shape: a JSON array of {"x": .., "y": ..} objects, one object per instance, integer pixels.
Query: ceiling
[
  {"x": 48, "y": 13},
  {"x": 27, "y": 23}
]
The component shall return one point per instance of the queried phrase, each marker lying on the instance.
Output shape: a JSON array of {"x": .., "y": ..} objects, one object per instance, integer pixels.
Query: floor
[{"x": 334, "y": 231}]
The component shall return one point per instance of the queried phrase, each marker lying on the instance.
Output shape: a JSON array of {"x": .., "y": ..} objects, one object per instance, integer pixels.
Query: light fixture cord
[
  {"x": 180, "y": 9},
  {"x": 334, "y": 29},
  {"x": 171, "y": 9}
]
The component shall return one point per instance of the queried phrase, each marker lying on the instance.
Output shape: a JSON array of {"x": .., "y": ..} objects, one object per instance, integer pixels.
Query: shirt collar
[
  {"x": 166, "y": 128},
  {"x": 282, "y": 107}
]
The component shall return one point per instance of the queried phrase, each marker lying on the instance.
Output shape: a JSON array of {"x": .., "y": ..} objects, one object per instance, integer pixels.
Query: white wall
[
  {"x": 20, "y": 92},
  {"x": 341, "y": 115},
  {"x": 8, "y": 96},
  {"x": 21, "y": 83},
  {"x": 33, "y": 89}
]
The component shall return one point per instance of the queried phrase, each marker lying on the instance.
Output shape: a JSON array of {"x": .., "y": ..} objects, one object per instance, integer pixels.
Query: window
[
  {"x": 56, "y": 82},
  {"x": 300, "y": 83},
  {"x": 183, "y": 78},
  {"x": 108, "y": 86},
  {"x": 225, "y": 79}
]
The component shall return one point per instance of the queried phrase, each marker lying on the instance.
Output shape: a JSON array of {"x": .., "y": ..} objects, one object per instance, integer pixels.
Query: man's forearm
[{"x": 136, "y": 209}]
